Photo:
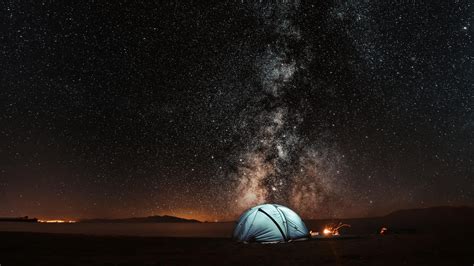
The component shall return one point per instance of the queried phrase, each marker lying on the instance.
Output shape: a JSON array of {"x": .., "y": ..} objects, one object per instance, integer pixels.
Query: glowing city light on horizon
[{"x": 57, "y": 221}]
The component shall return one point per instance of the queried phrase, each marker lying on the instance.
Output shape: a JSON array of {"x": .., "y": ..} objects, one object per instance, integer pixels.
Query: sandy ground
[{"x": 17, "y": 248}]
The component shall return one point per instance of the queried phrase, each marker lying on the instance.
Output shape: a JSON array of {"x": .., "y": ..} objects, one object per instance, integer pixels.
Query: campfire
[{"x": 333, "y": 229}]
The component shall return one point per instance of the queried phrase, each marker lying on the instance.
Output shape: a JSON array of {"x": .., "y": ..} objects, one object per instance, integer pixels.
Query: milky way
[{"x": 278, "y": 165}]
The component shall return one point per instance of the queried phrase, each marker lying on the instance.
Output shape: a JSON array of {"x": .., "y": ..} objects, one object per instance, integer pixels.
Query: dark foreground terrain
[
  {"x": 17, "y": 248},
  {"x": 431, "y": 236}
]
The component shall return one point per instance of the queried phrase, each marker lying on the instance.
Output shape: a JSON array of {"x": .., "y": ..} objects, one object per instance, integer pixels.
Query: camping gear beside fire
[{"x": 330, "y": 231}]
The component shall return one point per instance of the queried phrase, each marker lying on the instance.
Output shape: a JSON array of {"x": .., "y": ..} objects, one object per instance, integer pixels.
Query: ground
[{"x": 404, "y": 249}]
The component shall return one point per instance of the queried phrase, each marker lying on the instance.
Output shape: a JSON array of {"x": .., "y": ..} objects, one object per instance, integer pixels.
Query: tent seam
[
  {"x": 273, "y": 220},
  {"x": 283, "y": 216}
]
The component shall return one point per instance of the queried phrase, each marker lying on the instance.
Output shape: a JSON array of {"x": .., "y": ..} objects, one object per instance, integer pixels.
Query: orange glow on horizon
[
  {"x": 57, "y": 221},
  {"x": 191, "y": 215}
]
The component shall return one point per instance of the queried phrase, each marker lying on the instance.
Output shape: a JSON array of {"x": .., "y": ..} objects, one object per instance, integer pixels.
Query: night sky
[{"x": 201, "y": 110}]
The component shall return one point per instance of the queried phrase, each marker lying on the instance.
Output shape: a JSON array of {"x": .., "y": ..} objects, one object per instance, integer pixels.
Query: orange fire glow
[
  {"x": 327, "y": 231},
  {"x": 333, "y": 229}
]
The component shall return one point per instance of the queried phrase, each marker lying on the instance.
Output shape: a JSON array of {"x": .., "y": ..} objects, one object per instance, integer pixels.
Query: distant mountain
[
  {"x": 18, "y": 219},
  {"x": 434, "y": 219},
  {"x": 149, "y": 219},
  {"x": 440, "y": 212},
  {"x": 431, "y": 218}
]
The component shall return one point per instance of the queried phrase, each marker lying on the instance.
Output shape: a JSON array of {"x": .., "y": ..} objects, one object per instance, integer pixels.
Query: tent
[{"x": 270, "y": 223}]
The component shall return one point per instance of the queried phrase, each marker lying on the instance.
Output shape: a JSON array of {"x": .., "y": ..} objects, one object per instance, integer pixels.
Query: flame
[
  {"x": 333, "y": 229},
  {"x": 57, "y": 221},
  {"x": 327, "y": 231}
]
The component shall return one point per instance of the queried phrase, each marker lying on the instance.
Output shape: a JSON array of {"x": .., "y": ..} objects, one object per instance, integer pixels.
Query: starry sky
[{"x": 201, "y": 110}]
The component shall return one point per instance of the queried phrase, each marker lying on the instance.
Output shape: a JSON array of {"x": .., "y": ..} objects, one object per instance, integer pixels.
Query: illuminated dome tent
[{"x": 270, "y": 223}]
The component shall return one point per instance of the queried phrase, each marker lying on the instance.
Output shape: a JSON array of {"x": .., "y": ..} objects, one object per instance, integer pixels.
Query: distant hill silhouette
[
  {"x": 433, "y": 219},
  {"x": 440, "y": 213},
  {"x": 18, "y": 219},
  {"x": 427, "y": 219},
  {"x": 149, "y": 219}
]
